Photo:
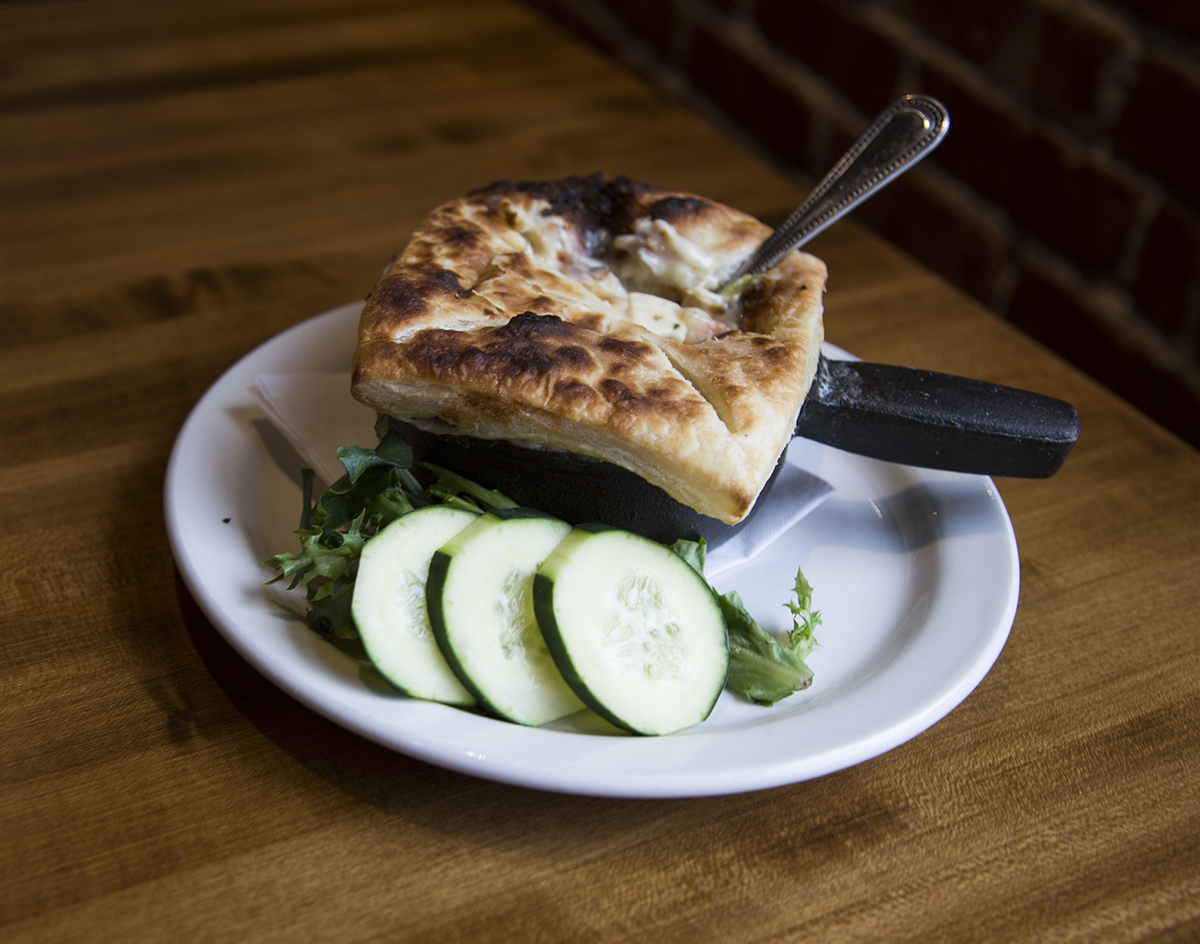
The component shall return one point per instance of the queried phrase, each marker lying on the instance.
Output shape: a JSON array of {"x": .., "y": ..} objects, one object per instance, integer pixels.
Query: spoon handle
[{"x": 897, "y": 139}]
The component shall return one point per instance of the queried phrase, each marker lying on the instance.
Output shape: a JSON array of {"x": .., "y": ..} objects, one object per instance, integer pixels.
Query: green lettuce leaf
[
  {"x": 379, "y": 486},
  {"x": 452, "y": 489},
  {"x": 761, "y": 667},
  {"x": 694, "y": 552},
  {"x": 805, "y": 619}
]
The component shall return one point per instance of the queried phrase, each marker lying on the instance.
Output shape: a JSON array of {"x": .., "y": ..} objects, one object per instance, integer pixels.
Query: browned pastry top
[{"x": 579, "y": 314}]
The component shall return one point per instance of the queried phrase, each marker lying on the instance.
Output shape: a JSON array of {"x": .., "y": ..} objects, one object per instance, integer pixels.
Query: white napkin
[
  {"x": 794, "y": 494},
  {"x": 317, "y": 414}
]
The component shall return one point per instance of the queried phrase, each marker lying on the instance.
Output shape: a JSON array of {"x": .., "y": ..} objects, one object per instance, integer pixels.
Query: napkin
[{"x": 315, "y": 412}]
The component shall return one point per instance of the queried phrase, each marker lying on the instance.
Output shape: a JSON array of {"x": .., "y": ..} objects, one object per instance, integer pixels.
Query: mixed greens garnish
[
  {"x": 761, "y": 668},
  {"x": 380, "y": 485}
]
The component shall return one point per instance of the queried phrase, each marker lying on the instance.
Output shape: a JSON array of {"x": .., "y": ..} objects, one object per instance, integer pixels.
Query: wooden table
[{"x": 180, "y": 182}]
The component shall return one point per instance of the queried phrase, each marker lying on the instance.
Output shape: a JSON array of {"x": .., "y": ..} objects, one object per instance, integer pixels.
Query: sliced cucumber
[
  {"x": 389, "y": 603},
  {"x": 635, "y": 631},
  {"x": 480, "y": 606}
]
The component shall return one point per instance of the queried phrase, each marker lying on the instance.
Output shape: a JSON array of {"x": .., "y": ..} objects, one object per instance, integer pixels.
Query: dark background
[{"x": 1065, "y": 197}]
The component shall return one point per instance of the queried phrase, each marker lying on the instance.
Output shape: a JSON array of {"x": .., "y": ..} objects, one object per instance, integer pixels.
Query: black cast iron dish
[{"x": 899, "y": 414}]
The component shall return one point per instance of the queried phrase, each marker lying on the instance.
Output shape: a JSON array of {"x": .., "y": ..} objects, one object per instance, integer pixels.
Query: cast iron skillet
[{"x": 899, "y": 414}]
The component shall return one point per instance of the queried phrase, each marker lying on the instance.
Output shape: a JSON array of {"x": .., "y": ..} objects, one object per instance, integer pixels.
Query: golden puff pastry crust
[{"x": 579, "y": 314}]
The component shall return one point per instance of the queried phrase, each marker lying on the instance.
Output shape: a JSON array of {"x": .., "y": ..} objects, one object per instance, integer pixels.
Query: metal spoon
[{"x": 897, "y": 139}]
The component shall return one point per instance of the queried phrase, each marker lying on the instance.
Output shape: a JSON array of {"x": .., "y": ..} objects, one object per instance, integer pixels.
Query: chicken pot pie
[{"x": 581, "y": 314}]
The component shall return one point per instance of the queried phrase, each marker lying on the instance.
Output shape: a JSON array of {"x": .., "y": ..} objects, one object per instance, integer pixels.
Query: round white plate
[{"x": 915, "y": 572}]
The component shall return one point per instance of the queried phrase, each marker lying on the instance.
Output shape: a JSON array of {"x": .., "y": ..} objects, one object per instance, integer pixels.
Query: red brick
[
  {"x": 863, "y": 65},
  {"x": 751, "y": 99},
  {"x": 1178, "y": 16},
  {"x": 1070, "y": 69},
  {"x": 1053, "y": 316},
  {"x": 1168, "y": 268},
  {"x": 974, "y": 30},
  {"x": 1159, "y": 129},
  {"x": 985, "y": 146},
  {"x": 648, "y": 19},
  {"x": 1051, "y": 60},
  {"x": 944, "y": 238},
  {"x": 1075, "y": 207},
  {"x": 1078, "y": 209}
]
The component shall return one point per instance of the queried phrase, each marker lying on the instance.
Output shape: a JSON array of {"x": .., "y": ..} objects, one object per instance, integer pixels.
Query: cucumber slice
[
  {"x": 635, "y": 631},
  {"x": 481, "y": 609},
  {"x": 389, "y": 604}
]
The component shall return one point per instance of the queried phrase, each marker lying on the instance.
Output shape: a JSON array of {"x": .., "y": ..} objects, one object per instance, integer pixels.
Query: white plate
[{"x": 915, "y": 572}]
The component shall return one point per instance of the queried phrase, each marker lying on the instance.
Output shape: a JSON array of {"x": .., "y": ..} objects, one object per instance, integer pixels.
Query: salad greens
[
  {"x": 761, "y": 668},
  {"x": 380, "y": 486}
]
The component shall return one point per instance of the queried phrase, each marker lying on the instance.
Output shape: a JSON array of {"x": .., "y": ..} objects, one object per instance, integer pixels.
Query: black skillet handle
[{"x": 938, "y": 421}]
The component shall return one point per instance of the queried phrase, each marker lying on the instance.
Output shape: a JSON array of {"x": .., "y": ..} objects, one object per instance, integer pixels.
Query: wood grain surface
[{"x": 179, "y": 182}]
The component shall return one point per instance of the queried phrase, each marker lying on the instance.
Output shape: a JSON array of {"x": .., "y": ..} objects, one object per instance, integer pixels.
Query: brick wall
[{"x": 1066, "y": 196}]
